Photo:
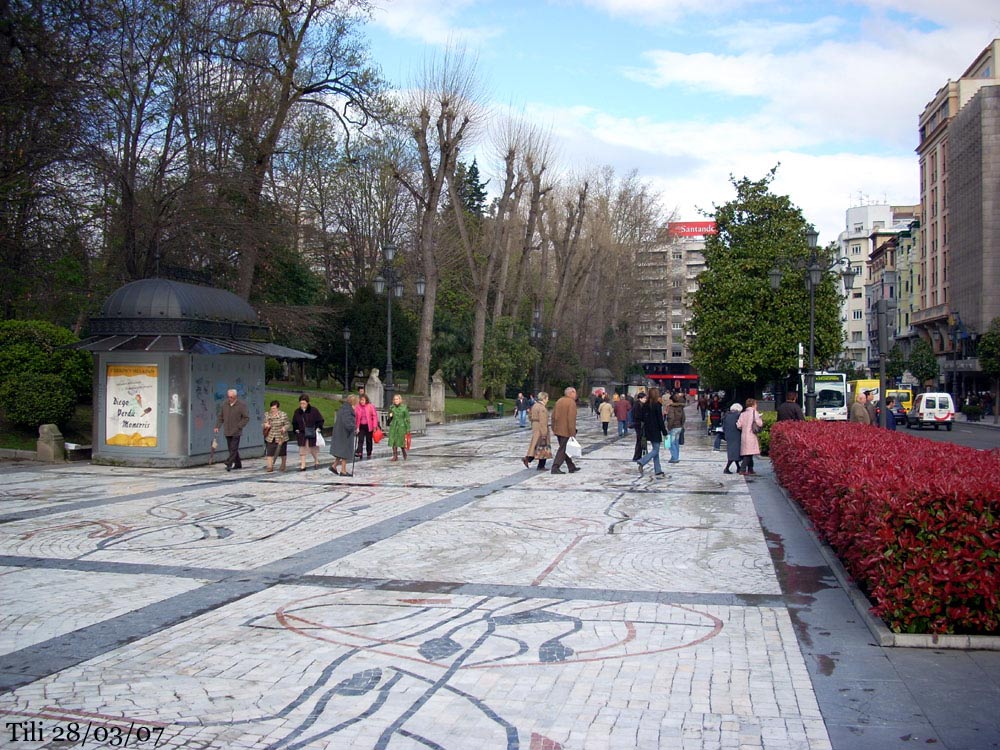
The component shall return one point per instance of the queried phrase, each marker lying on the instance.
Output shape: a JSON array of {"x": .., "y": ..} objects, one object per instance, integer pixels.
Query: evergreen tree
[
  {"x": 743, "y": 332},
  {"x": 923, "y": 364}
]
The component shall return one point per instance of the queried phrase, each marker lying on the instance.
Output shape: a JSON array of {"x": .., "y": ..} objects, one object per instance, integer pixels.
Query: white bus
[{"x": 831, "y": 396}]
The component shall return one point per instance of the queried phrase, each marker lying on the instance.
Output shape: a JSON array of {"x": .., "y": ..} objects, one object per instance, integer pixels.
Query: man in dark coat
[
  {"x": 233, "y": 417},
  {"x": 790, "y": 410}
]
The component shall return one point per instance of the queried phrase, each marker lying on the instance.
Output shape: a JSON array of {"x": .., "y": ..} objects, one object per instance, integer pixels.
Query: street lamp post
[
  {"x": 347, "y": 372},
  {"x": 816, "y": 268},
  {"x": 391, "y": 282},
  {"x": 538, "y": 336}
]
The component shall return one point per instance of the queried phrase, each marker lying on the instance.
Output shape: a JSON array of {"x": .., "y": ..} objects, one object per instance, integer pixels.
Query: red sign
[{"x": 691, "y": 228}]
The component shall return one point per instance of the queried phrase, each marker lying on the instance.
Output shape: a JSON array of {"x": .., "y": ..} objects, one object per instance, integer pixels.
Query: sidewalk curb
[{"x": 883, "y": 636}]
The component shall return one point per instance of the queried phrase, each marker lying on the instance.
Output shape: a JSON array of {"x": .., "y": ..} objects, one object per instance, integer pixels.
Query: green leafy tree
[
  {"x": 989, "y": 359},
  {"x": 895, "y": 363},
  {"x": 743, "y": 332},
  {"x": 923, "y": 364},
  {"x": 29, "y": 348},
  {"x": 508, "y": 357}
]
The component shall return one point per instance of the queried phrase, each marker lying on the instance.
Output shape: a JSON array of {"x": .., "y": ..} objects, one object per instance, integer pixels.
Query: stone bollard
[
  {"x": 50, "y": 447},
  {"x": 435, "y": 414}
]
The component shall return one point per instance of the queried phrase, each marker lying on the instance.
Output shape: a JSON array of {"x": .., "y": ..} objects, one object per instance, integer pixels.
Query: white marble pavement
[{"x": 452, "y": 600}]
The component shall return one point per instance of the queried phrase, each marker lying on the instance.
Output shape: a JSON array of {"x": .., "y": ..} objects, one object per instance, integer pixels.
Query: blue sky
[{"x": 687, "y": 92}]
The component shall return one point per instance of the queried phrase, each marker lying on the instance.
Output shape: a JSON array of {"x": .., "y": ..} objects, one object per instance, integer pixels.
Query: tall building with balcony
[
  {"x": 668, "y": 273},
  {"x": 959, "y": 154}
]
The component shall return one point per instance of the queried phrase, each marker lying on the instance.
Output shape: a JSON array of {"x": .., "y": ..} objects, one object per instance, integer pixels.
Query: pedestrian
[
  {"x": 342, "y": 437},
  {"x": 367, "y": 420},
  {"x": 750, "y": 423},
  {"x": 890, "y": 415},
  {"x": 732, "y": 433},
  {"x": 622, "y": 409},
  {"x": 540, "y": 447},
  {"x": 605, "y": 411},
  {"x": 307, "y": 421},
  {"x": 675, "y": 425},
  {"x": 276, "y": 428},
  {"x": 654, "y": 429},
  {"x": 703, "y": 405},
  {"x": 399, "y": 427},
  {"x": 233, "y": 417},
  {"x": 859, "y": 413},
  {"x": 869, "y": 403},
  {"x": 638, "y": 415},
  {"x": 521, "y": 410},
  {"x": 564, "y": 427},
  {"x": 790, "y": 410}
]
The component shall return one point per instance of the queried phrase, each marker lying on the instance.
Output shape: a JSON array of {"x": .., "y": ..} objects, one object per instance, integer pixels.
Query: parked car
[{"x": 931, "y": 410}]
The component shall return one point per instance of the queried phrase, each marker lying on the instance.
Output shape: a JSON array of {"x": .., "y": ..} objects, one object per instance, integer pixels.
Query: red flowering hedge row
[{"x": 915, "y": 522}]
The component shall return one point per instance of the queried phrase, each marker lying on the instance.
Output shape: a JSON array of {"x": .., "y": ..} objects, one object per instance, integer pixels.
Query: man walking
[
  {"x": 521, "y": 407},
  {"x": 622, "y": 408},
  {"x": 233, "y": 417},
  {"x": 789, "y": 410},
  {"x": 859, "y": 413},
  {"x": 869, "y": 403},
  {"x": 564, "y": 427}
]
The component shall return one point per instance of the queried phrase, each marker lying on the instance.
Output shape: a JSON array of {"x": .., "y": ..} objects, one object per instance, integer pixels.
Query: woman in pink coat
[
  {"x": 749, "y": 445},
  {"x": 366, "y": 419}
]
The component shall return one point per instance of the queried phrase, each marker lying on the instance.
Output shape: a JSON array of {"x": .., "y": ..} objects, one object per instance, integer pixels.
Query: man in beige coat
[
  {"x": 564, "y": 427},
  {"x": 859, "y": 413}
]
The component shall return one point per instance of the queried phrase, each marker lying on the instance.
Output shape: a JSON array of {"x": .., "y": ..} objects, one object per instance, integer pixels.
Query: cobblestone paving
[{"x": 454, "y": 600}]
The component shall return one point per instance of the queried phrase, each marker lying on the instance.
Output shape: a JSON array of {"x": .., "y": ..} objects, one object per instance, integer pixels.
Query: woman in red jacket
[{"x": 367, "y": 420}]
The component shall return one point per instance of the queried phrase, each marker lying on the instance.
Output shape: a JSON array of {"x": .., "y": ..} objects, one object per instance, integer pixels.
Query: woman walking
[
  {"x": 749, "y": 423},
  {"x": 675, "y": 425},
  {"x": 342, "y": 438},
  {"x": 276, "y": 428},
  {"x": 638, "y": 423},
  {"x": 654, "y": 429},
  {"x": 399, "y": 426},
  {"x": 731, "y": 433},
  {"x": 367, "y": 419},
  {"x": 540, "y": 446},
  {"x": 605, "y": 411},
  {"x": 307, "y": 421}
]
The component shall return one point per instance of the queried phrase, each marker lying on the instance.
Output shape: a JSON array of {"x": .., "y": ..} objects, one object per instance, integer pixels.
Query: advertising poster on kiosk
[{"x": 131, "y": 406}]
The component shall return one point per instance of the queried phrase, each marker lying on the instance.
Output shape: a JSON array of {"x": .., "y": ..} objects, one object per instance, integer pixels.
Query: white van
[{"x": 931, "y": 410}]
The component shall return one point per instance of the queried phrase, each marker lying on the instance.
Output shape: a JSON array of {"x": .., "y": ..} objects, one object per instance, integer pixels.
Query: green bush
[
  {"x": 764, "y": 436},
  {"x": 29, "y": 348},
  {"x": 42, "y": 399},
  {"x": 272, "y": 369}
]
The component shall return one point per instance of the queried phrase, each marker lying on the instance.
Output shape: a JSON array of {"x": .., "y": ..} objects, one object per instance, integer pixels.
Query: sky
[{"x": 689, "y": 92}]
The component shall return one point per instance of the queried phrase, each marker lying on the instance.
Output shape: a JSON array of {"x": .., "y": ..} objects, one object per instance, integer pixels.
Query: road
[{"x": 978, "y": 436}]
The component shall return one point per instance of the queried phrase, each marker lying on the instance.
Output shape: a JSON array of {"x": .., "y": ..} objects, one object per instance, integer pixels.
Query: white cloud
[{"x": 431, "y": 22}]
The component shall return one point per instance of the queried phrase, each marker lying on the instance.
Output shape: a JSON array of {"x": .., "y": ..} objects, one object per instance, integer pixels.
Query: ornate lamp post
[
  {"x": 816, "y": 266},
  {"x": 347, "y": 372},
  {"x": 391, "y": 282}
]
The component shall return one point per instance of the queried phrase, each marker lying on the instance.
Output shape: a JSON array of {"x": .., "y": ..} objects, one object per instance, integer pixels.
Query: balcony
[{"x": 930, "y": 315}]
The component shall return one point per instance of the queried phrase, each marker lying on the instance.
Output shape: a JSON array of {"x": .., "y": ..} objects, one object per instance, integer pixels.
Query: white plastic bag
[
  {"x": 320, "y": 441},
  {"x": 573, "y": 448}
]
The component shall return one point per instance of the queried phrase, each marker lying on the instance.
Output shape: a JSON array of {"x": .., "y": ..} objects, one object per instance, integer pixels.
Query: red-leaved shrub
[{"x": 915, "y": 522}]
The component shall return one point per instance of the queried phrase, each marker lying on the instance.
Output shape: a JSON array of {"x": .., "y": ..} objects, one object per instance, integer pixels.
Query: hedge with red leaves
[{"x": 915, "y": 522}]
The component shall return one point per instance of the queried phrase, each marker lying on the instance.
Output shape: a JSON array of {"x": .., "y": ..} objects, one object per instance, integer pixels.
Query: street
[{"x": 981, "y": 436}]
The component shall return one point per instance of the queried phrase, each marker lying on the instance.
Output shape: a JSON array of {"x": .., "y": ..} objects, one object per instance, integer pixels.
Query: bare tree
[{"x": 443, "y": 110}]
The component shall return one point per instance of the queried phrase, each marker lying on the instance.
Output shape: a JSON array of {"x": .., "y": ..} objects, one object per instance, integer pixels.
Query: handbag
[
  {"x": 680, "y": 438},
  {"x": 267, "y": 429},
  {"x": 378, "y": 435},
  {"x": 409, "y": 440},
  {"x": 320, "y": 440},
  {"x": 754, "y": 427},
  {"x": 573, "y": 448},
  {"x": 667, "y": 441},
  {"x": 543, "y": 450}
]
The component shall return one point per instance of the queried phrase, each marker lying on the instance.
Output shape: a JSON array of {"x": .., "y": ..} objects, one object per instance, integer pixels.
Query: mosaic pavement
[{"x": 454, "y": 600}]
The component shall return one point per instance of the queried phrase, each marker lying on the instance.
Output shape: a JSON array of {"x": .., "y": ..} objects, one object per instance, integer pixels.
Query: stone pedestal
[
  {"x": 374, "y": 389},
  {"x": 435, "y": 414},
  {"x": 50, "y": 447}
]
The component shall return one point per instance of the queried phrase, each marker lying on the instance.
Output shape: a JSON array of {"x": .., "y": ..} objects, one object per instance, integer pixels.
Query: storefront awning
[{"x": 188, "y": 345}]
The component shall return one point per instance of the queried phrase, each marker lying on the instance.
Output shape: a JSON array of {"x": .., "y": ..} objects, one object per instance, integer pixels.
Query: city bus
[{"x": 831, "y": 394}]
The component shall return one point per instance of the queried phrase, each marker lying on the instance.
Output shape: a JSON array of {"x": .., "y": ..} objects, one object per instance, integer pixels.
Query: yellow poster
[{"x": 131, "y": 406}]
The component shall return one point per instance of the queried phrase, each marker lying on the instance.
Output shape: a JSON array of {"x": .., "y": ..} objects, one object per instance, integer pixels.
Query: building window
[
  {"x": 678, "y": 256},
  {"x": 678, "y": 326},
  {"x": 677, "y": 353},
  {"x": 859, "y": 314},
  {"x": 855, "y": 249},
  {"x": 856, "y": 295}
]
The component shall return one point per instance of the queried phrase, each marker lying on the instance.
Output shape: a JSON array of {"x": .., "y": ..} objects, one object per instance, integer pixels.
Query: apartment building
[
  {"x": 668, "y": 277},
  {"x": 959, "y": 152}
]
